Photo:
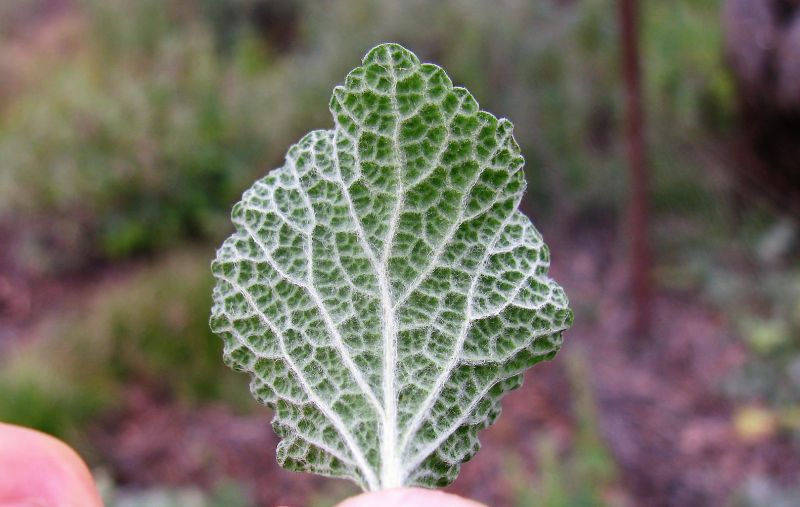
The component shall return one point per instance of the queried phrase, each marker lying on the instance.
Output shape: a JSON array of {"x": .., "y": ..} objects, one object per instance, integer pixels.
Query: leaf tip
[{"x": 391, "y": 54}]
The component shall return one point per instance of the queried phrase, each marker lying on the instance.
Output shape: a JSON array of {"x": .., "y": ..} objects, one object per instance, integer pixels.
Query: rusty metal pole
[{"x": 638, "y": 201}]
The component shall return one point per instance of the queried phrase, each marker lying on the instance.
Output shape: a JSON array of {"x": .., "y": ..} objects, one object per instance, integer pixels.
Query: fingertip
[
  {"x": 39, "y": 467},
  {"x": 405, "y": 497}
]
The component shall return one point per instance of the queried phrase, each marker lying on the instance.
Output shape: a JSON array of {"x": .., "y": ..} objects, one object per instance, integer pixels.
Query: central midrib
[
  {"x": 391, "y": 475},
  {"x": 390, "y": 466}
]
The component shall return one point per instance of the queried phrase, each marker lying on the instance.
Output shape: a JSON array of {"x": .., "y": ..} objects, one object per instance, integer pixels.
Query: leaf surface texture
[{"x": 382, "y": 288}]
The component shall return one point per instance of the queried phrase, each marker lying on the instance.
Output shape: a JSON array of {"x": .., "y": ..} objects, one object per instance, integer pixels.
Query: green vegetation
[
  {"x": 160, "y": 112},
  {"x": 586, "y": 475},
  {"x": 224, "y": 494},
  {"x": 764, "y": 307},
  {"x": 138, "y": 139},
  {"x": 148, "y": 330}
]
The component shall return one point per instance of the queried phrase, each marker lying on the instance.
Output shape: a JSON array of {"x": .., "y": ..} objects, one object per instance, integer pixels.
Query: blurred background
[{"x": 129, "y": 128}]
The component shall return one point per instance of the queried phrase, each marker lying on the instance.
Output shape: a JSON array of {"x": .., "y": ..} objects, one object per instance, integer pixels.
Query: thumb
[
  {"x": 38, "y": 469},
  {"x": 408, "y": 497}
]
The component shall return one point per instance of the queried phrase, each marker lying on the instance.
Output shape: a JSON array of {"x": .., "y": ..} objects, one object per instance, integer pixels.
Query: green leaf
[{"x": 381, "y": 287}]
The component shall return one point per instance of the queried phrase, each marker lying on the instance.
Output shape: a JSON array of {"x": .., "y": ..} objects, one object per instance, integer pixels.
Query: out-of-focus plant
[
  {"x": 763, "y": 304},
  {"x": 148, "y": 129},
  {"x": 140, "y": 138},
  {"x": 769, "y": 324},
  {"x": 584, "y": 476},
  {"x": 225, "y": 494},
  {"x": 147, "y": 330}
]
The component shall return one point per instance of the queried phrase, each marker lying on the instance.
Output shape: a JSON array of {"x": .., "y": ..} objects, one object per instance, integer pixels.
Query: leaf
[{"x": 381, "y": 287}]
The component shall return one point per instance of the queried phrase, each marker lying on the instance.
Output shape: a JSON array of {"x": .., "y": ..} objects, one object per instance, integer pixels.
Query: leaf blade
[{"x": 399, "y": 290}]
